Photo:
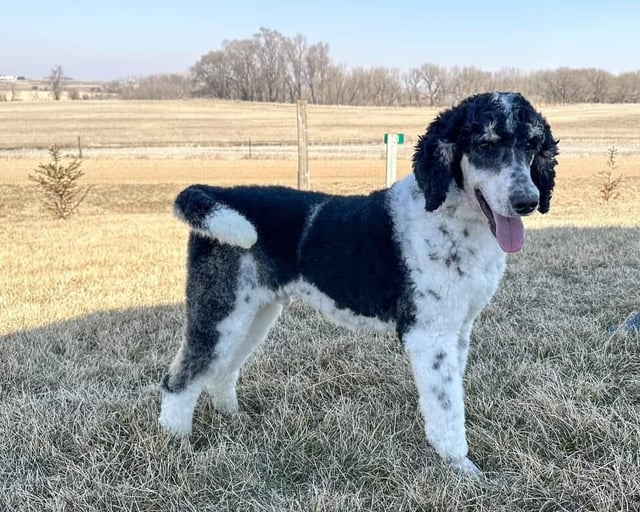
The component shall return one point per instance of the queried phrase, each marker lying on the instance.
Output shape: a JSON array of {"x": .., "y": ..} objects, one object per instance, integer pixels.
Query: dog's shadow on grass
[
  {"x": 112, "y": 349},
  {"x": 80, "y": 401},
  {"x": 112, "y": 362}
]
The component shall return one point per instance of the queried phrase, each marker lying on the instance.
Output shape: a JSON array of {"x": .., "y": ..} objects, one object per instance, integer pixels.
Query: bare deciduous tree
[
  {"x": 625, "y": 88},
  {"x": 211, "y": 75},
  {"x": 334, "y": 85},
  {"x": 269, "y": 50},
  {"x": 56, "y": 79},
  {"x": 596, "y": 85},
  {"x": 158, "y": 87},
  {"x": 433, "y": 79},
  {"x": 271, "y": 67},
  {"x": 411, "y": 83},
  {"x": 468, "y": 80},
  {"x": 562, "y": 85},
  {"x": 318, "y": 71},
  {"x": 510, "y": 79},
  {"x": 296, "y": 50},
  {"x": 9, "y": 91},
  {"x": 243, "y": 67}
]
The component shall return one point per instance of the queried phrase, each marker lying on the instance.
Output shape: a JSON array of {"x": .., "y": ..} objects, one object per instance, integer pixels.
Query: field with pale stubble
[{"x": 91, "y": 313}]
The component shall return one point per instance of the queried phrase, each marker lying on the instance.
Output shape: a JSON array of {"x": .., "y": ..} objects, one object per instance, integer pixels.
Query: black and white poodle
[{"x": 421, "y": 258}]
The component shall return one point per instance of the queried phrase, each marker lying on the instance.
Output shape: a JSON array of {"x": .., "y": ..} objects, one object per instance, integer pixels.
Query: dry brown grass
[
  {"x": 575, "y": 201},
  {"x": 583, "y": 129},
  {"x": 172, "y": 123},
  {"x": 136, "y": 170},
  {"x": 90, "y": 314}
]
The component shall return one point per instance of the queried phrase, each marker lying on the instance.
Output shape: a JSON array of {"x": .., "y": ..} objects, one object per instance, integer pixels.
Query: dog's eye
[
  {"x": 486, "y": 145},
  {"x": 532, "y": 144}
]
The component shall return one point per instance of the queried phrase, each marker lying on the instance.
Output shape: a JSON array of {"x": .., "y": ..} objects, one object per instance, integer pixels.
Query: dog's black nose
[{"x": 524, "y": 203}]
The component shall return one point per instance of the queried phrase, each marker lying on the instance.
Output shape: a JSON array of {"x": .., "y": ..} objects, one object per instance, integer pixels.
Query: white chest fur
[{"x": 453, "y": 259}]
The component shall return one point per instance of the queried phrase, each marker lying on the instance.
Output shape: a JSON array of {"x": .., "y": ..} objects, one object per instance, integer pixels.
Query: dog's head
[{"x": 496, "y": 147}]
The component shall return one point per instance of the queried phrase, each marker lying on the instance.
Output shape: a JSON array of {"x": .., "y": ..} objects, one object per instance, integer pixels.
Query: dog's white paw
[
  {"x": 227, "y": 405},
  {"x": 222, "y": 391},
  {"x": 176, "y": 426},
  {"x": 465, "y": 467},
  {"x": 176, "y": 413}
]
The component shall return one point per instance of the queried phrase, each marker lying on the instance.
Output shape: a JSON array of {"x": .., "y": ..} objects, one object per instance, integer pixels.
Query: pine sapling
[
  {"x": 59, "y": 184},
  {"x": 609, "y": 189}
]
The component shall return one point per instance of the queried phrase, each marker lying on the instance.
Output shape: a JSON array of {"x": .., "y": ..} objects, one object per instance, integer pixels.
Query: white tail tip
[{"x": 229, "y": 227}]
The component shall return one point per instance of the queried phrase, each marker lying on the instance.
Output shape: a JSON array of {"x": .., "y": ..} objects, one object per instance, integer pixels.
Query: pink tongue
[{"x": 509, "y": 232}]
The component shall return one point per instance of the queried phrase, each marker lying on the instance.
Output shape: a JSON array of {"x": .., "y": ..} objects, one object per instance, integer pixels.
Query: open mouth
[
  {"x": 509, "y": 231},
  {"x": 486, "y": 209}
]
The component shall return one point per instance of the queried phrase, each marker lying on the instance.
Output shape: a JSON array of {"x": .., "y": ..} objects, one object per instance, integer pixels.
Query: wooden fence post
[{"x": 303, "y": 153}]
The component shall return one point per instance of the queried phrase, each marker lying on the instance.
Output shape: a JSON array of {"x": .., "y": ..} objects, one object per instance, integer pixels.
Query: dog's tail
[{"x": 208, "y": 216}]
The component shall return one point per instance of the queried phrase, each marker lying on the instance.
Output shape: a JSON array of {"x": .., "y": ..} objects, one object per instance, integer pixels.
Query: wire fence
[{"x": 249, "y": 149}]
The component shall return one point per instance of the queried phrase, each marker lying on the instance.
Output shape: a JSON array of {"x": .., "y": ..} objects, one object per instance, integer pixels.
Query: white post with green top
[{"x": 392, "y": 140}]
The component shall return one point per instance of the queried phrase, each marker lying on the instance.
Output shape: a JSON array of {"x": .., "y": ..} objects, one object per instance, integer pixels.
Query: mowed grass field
[{"x": 91, "y": 314}]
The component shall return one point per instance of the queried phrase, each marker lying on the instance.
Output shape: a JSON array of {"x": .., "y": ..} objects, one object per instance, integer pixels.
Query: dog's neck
[{"x": 458, "y": 204}]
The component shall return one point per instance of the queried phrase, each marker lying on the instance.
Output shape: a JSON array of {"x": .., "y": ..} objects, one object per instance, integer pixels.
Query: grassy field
[
  {"x": 91, "y": 314},
  {"x": 583, "y": 129}
]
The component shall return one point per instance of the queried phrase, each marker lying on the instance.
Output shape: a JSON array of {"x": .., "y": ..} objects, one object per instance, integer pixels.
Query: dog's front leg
[{"x": 435, "y": 363}]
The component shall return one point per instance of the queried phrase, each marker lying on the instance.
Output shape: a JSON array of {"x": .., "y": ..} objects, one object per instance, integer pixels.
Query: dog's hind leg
[
  {"x": 223, "y": 373},
  {"x": 187, "y": 376},
  {"x": 211, "y": 357},
  {"x": 228, "y": 314},
  {"x": 184, "y": 382},
  {"x": 222, "y": 301}
]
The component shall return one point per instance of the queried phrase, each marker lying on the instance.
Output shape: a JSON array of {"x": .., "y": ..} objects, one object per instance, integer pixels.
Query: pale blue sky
[{"x": 104, "y": 40}]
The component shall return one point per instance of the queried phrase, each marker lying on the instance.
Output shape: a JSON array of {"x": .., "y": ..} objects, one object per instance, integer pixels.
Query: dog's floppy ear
[
  {"x": 543, "y": 168},
  {"x": 436, "y": 160}
]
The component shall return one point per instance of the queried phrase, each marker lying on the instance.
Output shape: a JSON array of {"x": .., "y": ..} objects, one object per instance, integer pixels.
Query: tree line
[{"x": 271, "y": 67}]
